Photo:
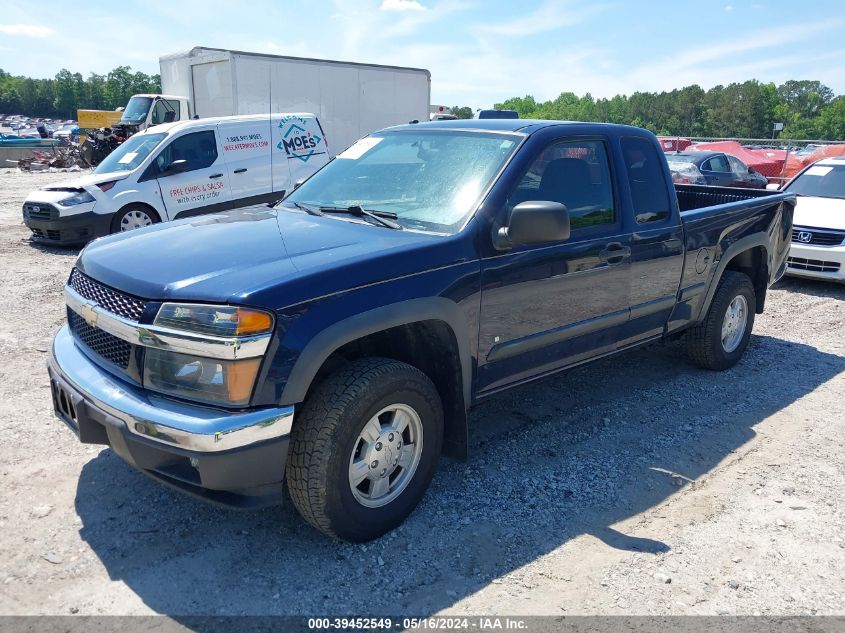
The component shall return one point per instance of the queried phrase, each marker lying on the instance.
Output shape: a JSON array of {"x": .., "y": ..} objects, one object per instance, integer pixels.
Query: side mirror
[
  {"x": 773, "y": 186},
  {"x": 535, "y": 222},
  {"x": 169, "y": 117},
  {"x": 176, "y": 167}
]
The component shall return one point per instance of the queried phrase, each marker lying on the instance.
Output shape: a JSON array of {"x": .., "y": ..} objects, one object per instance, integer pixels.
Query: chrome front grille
[
  {"x": 817, "y": 237},
  {"x": 109, "y": 299}
]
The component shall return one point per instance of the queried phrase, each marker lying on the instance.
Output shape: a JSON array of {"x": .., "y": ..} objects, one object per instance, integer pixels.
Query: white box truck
[{"x": 350, "y": 99}]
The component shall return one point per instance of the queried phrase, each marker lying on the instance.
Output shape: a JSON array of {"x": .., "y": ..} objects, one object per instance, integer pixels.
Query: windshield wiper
[
  {"x": 382, "y": 217},
  {"x": 304, "y": 207}
]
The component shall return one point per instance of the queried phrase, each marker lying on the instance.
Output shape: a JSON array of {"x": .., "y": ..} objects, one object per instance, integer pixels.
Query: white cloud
[
  {"x": 549, "y": 16},
  {"x": 401, "y": 5},
  {"x": 729, "y": 8},
  {"x": 26, "y": 30}
]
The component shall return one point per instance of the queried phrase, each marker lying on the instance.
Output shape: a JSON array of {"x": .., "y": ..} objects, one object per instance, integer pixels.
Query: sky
[{"x": 479, "y": 52}]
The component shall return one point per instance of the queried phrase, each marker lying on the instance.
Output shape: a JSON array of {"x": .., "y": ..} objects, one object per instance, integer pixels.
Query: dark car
[{"x": 713, "y": 168}]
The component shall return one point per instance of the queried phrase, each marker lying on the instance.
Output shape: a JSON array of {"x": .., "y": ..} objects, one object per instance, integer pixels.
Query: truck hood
[
  {"x": 256, "y": 256},
  {"x": 77, "y": 184},
  {"x": 820, "y": 213}
]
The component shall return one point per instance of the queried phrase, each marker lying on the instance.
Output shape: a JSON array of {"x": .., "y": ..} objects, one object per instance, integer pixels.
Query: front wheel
[
  {"x": 365, "y": 448},
  {"x": 133, "y": 216},
  {"x": 720, "y": 340}
]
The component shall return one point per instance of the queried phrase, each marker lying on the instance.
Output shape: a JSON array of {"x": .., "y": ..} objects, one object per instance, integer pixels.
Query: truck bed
[{"x": 691, "y": 197}]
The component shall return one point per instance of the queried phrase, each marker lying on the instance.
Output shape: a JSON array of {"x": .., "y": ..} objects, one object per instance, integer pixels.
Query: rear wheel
[
  {"x": 365, "y": 448},
  {"x": 720, "y": 340},
  {"x": 133, "y": 216}
]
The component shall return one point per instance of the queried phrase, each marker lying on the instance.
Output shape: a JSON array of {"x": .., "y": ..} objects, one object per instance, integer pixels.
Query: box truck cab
[
  {"x": 181, "y": 169},
  {"x": 146, "y": 110}
]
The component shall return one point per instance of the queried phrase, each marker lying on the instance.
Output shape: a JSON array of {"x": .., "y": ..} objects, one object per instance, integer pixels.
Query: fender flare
[
  {"x": 327, "y": 341},
  {"x": 741, "y": 245}
]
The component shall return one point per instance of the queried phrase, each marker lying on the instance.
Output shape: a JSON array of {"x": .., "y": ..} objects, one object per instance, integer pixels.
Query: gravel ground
[{"x": 637, "y": 485}]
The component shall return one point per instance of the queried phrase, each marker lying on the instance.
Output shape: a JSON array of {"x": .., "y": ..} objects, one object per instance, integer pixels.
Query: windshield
[
  {"x": 130, "y": 154},
  {"x": 823, "y": 181},
  {"x": 136, "y": 110},
  {"x": 432, "y": 180}
]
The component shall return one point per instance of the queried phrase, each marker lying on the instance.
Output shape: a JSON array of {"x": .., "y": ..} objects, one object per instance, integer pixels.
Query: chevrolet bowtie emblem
[{"x": 89, "y": 314}]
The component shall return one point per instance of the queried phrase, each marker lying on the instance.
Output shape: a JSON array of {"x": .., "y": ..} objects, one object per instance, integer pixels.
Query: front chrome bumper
[{"x": 158, "y": 419}]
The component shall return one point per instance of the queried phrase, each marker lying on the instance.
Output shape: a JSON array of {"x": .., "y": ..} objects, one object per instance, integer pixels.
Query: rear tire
[
  {"x": 720, "y": 340},
  {"x": 133, "y": 216},
  {"x": 348, "y": 432}
]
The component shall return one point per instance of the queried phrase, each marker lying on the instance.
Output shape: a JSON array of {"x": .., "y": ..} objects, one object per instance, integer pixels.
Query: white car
[
  {"x": 181, "y": 169},
  {"x": 818, "y": 233}
]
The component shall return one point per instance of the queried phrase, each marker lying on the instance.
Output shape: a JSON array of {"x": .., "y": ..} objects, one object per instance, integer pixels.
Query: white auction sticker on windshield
[
  {"x": 818, "y": 170},
  {"x": 128, "y": 158},
  {"x": 361, "y": 147}
]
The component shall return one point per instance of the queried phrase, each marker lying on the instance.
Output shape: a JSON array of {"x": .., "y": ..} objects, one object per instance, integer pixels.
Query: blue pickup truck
[{"x": 337, "y": 340}]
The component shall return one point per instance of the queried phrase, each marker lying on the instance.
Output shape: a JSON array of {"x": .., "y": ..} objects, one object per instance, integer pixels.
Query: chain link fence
[{"x": 776, "y": 158}]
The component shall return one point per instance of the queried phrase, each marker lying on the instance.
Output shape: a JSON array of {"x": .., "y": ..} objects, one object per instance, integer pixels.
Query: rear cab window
[{"x": 644, "y": 168}]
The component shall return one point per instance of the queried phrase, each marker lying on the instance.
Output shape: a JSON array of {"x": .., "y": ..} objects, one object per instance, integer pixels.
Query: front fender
[{"x": 321, "y": 346}]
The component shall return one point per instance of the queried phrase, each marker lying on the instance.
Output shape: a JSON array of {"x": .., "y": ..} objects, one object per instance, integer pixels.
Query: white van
[{"x": 181, "y": 169}]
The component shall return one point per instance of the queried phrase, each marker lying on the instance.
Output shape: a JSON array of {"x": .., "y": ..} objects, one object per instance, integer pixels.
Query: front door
[
  {"x": 203, "y": 185},
  {"x": 551, "y": 305}
]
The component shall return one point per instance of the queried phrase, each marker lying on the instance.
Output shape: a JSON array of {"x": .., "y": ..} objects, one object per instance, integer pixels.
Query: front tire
[
  {"x": 133, "y": 216},
  {"x": 365, "y": 448},
  {"x": 720, "y": 340}
]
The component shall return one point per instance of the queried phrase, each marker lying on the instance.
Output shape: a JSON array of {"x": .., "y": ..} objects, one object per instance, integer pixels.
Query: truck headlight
[
  {"x": 208, "y": 380},
  {"x": 203, "y": 378},
  {"x": 78, "y": 198},
  {"x": 214, "y": 320}
]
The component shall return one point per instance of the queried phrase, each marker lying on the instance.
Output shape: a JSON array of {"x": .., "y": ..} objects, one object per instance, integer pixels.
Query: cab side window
[
  {"x": 165, "y": 111},
  {"x": 737, "y": 166},
  {"x": 649, "y": 196},
  {"x": 198, "y": 148},
  {"x": 575, "y": 174},
  {"x": 717, "y": 163}
]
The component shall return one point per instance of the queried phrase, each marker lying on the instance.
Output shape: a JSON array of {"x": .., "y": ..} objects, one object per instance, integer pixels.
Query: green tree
[
  {"x": 462, "y": 112},
  {"x": 119, "y": 87},
  {"x": 65, "y": 94},
  {"x": 805, "y": 98}
]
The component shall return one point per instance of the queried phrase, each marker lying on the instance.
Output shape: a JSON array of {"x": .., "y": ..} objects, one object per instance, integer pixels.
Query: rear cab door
[
  {"x": 203, "y": 186},
  {"x": 300, "y": 149},
  {"x": 657, "y": 237},
  {"x": 246, "y": 150}
]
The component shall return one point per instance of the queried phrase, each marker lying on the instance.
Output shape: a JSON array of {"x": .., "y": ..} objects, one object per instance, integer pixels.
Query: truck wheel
[
  {"x": 133, "y": 216},
  {"x": 720, "y": 340},
  {"x": 364, "y": 448}
]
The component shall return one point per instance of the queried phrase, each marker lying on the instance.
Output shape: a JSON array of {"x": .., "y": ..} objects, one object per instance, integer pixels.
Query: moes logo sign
[{"x": 297, "y": 141}]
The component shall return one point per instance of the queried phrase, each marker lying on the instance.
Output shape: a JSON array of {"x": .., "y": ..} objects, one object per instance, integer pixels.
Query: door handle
[
  {"x": 241, "y": 170},
  {"x": 216, "y": 176},
  {"x": 614, "y": 253}
]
